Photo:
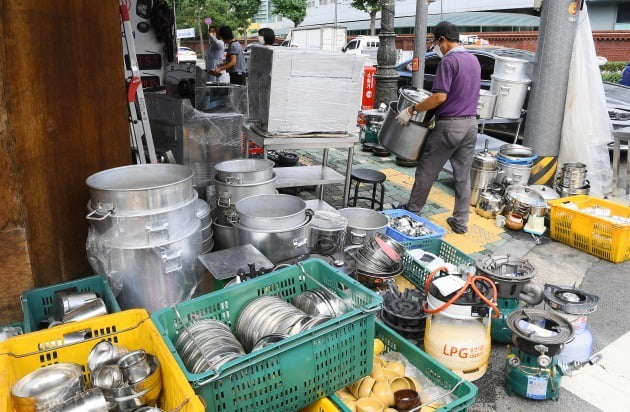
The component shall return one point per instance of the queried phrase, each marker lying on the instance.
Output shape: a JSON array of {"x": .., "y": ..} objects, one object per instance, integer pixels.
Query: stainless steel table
[
  {"x": 499, "y": 120},
  {"x": 619, "y": 136},
  {"x": 307, "y": 175}
]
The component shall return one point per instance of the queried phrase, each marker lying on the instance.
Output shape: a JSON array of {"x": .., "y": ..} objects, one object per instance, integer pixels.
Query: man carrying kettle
[{"x": 455, "y": 97}]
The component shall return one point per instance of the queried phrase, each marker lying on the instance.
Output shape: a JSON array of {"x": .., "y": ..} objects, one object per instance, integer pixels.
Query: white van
[{"x": 366, "y": 45}]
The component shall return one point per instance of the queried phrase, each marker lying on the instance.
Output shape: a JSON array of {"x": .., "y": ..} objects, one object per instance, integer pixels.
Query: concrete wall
[{"x": 602, "y": 15}]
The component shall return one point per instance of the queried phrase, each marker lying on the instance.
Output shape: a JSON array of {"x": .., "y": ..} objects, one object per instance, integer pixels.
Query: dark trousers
[
  {"x": 452, "y": 140},
  {"x": 238, "y": 79}
]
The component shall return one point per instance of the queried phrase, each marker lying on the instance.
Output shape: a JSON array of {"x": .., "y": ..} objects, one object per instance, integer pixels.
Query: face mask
[
  {"x": 261, "y": 39},
  {"x": 438, "y": 51}
]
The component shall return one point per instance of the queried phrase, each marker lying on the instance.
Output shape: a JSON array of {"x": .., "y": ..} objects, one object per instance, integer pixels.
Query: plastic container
[
  {"x": 322, "y": 405},
  {"x": 438, "y": 232},
  {"x": 466, "y": 392},
  {"x": 296, "y": 371},
  {"x": 417, "y": 273},
  {"x": 592, "y": 234},
  {"x": 72, "y": 343},
  {"x": 37, "y": 303}
]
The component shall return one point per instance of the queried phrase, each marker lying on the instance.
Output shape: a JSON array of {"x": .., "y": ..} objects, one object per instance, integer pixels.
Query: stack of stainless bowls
[
  {"x": 236, "y": 180},
  {"x": 483, "y": 173},
  {"x": 515, "y": 164},
  {"x": 203, "y": 213},
  {"x": 406, "y": 141},
  {"x": 378, "y": 260},
  {"x": 144, "y": 233},
  {"x": 572, "y": 180},
  {"x": 510, "y": 84},
  {"x": 277, "y": 225}
]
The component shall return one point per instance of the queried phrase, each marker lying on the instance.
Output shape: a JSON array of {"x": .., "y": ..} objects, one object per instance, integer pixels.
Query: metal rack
[
  {"x": 499, "y": 120},
  {"x": 306, "y": 175}
]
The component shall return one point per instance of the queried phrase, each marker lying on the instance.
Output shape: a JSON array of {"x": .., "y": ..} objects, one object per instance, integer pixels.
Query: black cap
[{"x": 447, "y": 30}]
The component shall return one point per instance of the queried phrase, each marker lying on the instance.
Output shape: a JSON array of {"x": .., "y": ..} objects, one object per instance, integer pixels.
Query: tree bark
[{"x": 373, "y": 23}]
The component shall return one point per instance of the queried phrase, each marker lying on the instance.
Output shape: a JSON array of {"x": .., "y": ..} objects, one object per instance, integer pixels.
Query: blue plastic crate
[{"x": 438, "y": 232}]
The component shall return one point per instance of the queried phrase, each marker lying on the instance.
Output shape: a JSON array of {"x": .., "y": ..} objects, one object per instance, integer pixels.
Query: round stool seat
[{"x": 368, "y": 176}]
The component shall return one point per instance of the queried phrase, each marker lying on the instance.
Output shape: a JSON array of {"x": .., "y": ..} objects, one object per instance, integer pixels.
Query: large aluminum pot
[
  {"x": 230, "y": 194},
  {"x": 486, "y": 104},
  {"x": 404, "y": 141},
  {"x": 244, "y": 171},
  {"x": 363, "y": 224},
  {"x": 144, "y": 227},
  {"x": 276, "y": 245},
  {"x": 140, "y": 187},
  {"x": 408, "y": 96},
  {"x": 150, "y": 277},
  {"x": 520, "y": 200},
  {"x": 510, "y": 96},
  {"x": 513, "y": 173},
  {"x": 271, "y": 212},
  {"x": 510, "y": 68},
  {"x": 480, "y": 180}
]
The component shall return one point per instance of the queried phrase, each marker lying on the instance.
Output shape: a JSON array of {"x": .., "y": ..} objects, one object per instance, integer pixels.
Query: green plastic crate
[
  {"x": 296, "y": 371},
  {"x": 417, "y": 273},
  {"x": 37, "y": 303},
  {"x": 466, "y": 392}
]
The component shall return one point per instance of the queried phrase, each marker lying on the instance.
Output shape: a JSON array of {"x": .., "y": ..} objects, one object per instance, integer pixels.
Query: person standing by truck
[
  {"x": 455, "y": 95},
  {"x": 235, "y": 59},
  {"x": 214, "y": 54}
]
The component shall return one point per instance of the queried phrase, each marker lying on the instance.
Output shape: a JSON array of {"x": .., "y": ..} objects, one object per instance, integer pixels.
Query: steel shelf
[{"x": 306, "y": 176}]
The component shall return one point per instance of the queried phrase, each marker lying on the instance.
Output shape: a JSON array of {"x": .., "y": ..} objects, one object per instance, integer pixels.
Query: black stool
[{"x": 368, "y": 176}]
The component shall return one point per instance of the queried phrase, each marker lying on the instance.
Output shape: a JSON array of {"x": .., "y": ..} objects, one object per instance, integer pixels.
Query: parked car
[
  {"x": 625, "y": 75},
  {"x": 185, "y": 54}
]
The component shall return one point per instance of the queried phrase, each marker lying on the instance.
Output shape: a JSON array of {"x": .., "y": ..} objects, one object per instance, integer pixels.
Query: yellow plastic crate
[
  {"x": 132, "y": 328},
  {"x": 592, "y": 234},
  {"x": 322, "y": 405}
]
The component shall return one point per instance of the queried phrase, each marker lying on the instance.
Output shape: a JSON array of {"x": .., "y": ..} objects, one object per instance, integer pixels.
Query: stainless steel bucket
[
  {"x": 276, "y": 245},
  {"x": 404, "y": 141},
  {"x": 229, "y": 194},
  {"x": 144, "y": 227},
  {"x": 510, "y": 96},
  {"x": 510, "y": 68},
  {"x": 140, "y": 187},
  {"x": 486, "y": 104},
  {"x": 150, "y": 277},
  {"x": 244, "y": 171},
  {"x": 363, "y": 224}
]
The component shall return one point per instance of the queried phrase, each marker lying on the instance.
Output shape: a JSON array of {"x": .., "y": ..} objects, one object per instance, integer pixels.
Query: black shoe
[{"x": 456, "y": 227}]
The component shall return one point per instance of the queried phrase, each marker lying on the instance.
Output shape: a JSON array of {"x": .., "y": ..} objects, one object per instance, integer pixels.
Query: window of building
[{"x": 623, "y": 13}]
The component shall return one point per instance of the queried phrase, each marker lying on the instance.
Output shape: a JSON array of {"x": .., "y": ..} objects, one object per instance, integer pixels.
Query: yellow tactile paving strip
[{"x": 481, "y": 231}]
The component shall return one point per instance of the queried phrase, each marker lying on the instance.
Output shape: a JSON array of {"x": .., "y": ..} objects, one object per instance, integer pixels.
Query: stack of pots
[
  {"x": 572, "y": 180},
  {"x": 203, "y": 213},
  {"x": 515, "y": 164},
  {"x": 277, "y": 225},
  {"x": 236, "y": 180},
  {"x": 510, "y": 84},
  {"x": 145, "y": 234},
  {"x": 482, "y": 174},
  {"x": 406, "y": 141}
]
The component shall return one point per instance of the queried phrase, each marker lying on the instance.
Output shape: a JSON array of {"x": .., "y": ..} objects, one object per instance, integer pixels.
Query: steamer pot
[
  {"x": 363, "y": 224},
  {"x": 230, "y": 194},
  {"x": 139, "y": 187},
  {"x": 271, "y": 212},
  {"x": 244, "y": 171},
  {"x": 405, "y": 142}
]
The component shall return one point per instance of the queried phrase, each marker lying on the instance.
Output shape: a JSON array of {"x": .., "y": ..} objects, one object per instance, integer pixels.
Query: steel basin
[
  {"x": 244, "y": 171},
  {"x": 271, "y": 212}
]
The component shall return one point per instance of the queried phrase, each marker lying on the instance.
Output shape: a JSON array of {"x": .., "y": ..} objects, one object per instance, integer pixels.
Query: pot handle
[
  {"x": 359, "y": 235},
  {"x": 157, "y": 228},
  {"x": 224, "y": 200},
  {"x": 102, "y": 212},
  {"x": 299, "y": 242},
  {"x": 172, "y": 261},
  {"x": 233, "y": 180},
  {"x": 505, "y": 90},
  {"x": 232, "y": 217}
]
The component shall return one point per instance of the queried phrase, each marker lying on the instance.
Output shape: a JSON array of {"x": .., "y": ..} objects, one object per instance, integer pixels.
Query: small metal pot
[
  {"x": 406, "y": 141},
  {"x": 244, "y": 171},
  {"x": 489, "y": 205},
  {"x": 363, "y": 224},
  {"x": 230, "y": 194},
  {"x": 271, "y": 212},
  {"x": 520, "y": 199}
]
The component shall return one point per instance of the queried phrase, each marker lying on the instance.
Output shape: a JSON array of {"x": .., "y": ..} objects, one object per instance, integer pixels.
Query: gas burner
[
  {"x": 510, "y": 274},
  {"x": 537, "y": 331},
  {"x": 570, "y": 300},
  {"x": 403, "y": 311}
]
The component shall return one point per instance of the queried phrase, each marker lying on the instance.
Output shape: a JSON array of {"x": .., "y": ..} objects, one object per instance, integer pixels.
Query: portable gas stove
[
  {"x": 513, "y": 279},
  {"x": 403, "y": 312}
]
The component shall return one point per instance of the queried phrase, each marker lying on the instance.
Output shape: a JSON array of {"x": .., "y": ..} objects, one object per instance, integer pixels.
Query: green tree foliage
[
  {"x": 243, "y": 11},
  {"x": 233, "y": 13},
  {"x": 371, "y": 7},
  {"x": 294, "y": 10}
]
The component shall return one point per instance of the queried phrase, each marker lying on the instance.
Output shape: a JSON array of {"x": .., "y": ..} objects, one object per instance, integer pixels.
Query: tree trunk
[{"x": 373, "y": 23}]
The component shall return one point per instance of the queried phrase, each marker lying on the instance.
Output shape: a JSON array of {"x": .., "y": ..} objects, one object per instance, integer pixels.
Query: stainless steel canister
[
  {"x": 407, "y": 141},
  {"x": 510, "y": 96}
]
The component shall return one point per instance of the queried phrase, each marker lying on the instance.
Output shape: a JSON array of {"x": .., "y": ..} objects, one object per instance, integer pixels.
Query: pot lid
[
  {"x": 415, "y": 95},
  {"x": 546, "y": 192},
  {"x": 525, "y": 195},
  {"x": 540, "y": 326},
  {"x": 570, "y": 300}
]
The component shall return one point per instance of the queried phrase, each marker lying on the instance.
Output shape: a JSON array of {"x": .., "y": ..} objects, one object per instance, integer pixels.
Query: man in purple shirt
[{"x": 455, "y": 96}]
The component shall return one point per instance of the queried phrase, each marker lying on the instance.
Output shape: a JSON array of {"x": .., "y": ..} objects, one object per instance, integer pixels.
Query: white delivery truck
[{"x": 325, "y": 37}]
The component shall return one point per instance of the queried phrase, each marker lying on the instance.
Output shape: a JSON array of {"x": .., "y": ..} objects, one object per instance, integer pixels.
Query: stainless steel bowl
[
  {"x": 103, "y": 352},
  {"x": 134, "y": 366},
  {"x": 48, "y": 387}
]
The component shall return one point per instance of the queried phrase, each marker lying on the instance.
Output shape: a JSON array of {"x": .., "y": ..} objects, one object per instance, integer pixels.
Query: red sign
[
  {"x": 369, "y": 87},
  {"x": 415, "y": 64}
]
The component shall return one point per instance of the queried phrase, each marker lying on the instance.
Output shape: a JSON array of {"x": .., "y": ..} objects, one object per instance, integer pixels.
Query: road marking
[{"x": 605, "y": 385}]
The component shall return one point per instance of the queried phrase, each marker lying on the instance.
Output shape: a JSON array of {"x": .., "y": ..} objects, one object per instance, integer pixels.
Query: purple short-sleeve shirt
[{"x": 459, "y": 76}]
